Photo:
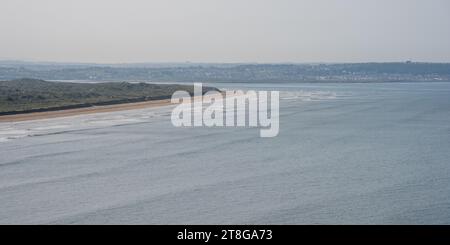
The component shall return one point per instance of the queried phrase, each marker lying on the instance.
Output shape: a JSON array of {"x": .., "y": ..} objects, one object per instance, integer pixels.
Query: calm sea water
[{"x": 345, "y": 154}]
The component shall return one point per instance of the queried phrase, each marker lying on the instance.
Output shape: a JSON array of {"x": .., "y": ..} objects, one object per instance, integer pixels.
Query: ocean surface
[{"x": 345, "y": 154}]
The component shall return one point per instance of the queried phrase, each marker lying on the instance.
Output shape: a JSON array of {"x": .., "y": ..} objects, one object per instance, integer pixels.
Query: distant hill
[
  {"x": 353, "y": 72},
  {"x": 29, "y": 95}
]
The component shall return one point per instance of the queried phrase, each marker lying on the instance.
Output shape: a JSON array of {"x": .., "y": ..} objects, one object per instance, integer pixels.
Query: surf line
[{"x": 233, "y": 108}]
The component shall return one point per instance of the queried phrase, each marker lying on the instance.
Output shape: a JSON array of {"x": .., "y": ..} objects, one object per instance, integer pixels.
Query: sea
[{"x": 346, "y": 153}]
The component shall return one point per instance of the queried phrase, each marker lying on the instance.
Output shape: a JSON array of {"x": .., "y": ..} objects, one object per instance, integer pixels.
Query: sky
[{"x": 225, "y": 31}]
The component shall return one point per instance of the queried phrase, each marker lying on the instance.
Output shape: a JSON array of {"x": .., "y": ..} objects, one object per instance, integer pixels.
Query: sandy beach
[{"x": 87, "y": 110}]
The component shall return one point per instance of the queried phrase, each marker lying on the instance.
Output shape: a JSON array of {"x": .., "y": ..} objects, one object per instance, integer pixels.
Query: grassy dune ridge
[{"x": 32, "y": 95}]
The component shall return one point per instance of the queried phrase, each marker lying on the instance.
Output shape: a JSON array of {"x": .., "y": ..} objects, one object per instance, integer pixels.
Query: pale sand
[{"x": 87, "y": 110}]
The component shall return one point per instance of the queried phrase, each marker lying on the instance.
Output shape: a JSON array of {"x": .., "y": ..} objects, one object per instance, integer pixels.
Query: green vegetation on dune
[{"x": 26, "y": 95}]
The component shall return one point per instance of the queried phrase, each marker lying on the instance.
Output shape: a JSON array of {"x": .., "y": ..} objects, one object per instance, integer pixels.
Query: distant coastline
[{"x": 231, "y": 72}]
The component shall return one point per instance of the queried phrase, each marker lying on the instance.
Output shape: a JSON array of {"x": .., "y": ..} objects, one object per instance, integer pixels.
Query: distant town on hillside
[{"x": 239, "y": 72}]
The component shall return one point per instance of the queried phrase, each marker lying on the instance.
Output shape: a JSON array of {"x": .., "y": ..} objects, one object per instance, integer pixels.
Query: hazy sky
[{"x": 225, "y": 30}]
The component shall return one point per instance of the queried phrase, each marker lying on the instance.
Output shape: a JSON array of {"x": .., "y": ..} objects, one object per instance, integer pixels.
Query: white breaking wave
[{"x": 15, "y": 130}]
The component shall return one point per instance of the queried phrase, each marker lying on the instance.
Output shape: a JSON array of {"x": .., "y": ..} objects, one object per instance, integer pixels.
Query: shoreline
[
  {"x": 88, "y": 110},
  {"x": 84, "y": 110}
]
